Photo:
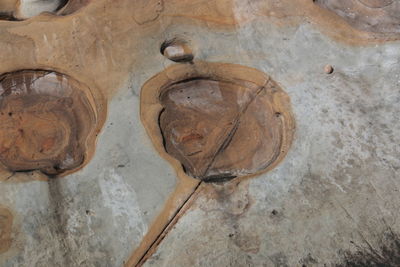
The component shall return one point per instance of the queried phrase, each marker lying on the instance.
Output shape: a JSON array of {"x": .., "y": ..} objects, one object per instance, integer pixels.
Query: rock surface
[{"x": 333, "y": 199}]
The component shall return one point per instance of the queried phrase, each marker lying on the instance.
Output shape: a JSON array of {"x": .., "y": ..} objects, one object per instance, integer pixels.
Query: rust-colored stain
[
  {"x": 6, "y": 221},
  {"x": 220, "y": 121},
  {"x": 48, "y": 122}
]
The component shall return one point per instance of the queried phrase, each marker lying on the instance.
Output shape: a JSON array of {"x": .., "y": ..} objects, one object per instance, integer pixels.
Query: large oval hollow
[
  {"x": 47, "y": 122},
  {"x": 219, "y": 126}
]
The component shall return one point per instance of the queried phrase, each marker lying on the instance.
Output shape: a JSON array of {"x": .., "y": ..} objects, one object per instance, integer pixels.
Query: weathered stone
[
  {"x": 48, "y": 122},
  {"x": 331, "y": 200}
]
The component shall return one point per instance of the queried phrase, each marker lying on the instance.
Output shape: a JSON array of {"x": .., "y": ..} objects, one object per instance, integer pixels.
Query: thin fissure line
[
  {"x": 157, "y": 241},
  {"x": 232, "y": 132}
]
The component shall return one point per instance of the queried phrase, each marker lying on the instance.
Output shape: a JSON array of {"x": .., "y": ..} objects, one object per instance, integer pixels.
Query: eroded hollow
[
  {"x": 47, "y": 122},
  {"x": 378, "y": 16},
  {"x": 177, "y": 50},
  {"x": 220, "y": 130},
  {"x": 25, "y": 9}
]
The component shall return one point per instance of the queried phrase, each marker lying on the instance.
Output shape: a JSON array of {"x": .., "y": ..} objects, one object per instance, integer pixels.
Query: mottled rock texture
[
  {"x": 48, "y": 122},
  {"x": 333, "y": 199},
  {"x": 222, "y": 122}
]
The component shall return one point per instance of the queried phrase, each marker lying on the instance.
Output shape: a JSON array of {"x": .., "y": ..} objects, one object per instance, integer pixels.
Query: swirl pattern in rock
[
  {"x": 220, "y": 121},
  {"x": 47, "y": 122},
  {"x": 219, "y": 129}
]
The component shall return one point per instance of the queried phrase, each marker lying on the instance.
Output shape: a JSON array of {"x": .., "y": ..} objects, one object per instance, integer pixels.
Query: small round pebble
[{"x": 328, "y": 69}]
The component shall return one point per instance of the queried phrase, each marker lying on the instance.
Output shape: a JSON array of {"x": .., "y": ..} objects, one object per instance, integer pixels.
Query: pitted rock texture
[{"x": 46, "y": 122}]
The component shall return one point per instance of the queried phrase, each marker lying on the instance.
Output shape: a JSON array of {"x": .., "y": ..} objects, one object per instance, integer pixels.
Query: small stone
[
  {"x": 174, "y": 51},
  {"x": 177, "y": 50},
  {"x": 328, "y": 69}
]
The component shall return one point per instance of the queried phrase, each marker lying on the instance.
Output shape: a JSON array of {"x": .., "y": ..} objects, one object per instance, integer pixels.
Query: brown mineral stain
[
  {"x": 48, "y": 122},
  {"x": 47, "y": 144},
  {"x": 6, "y": 221},
  {"x": 199, "y": 117}
]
